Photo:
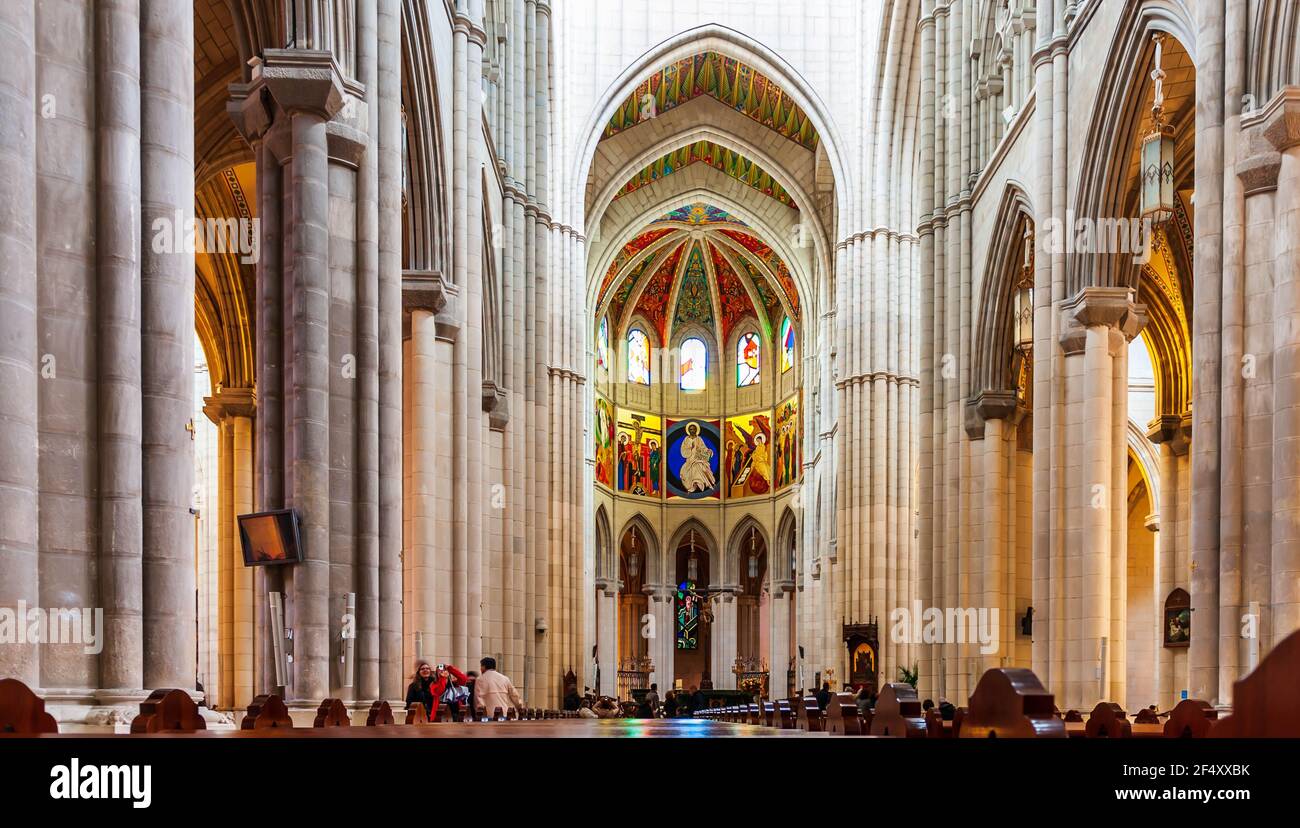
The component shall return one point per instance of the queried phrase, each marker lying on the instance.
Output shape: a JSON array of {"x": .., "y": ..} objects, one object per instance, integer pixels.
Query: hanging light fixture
[
  {"x": 633, "y": 558},
  {"x": 692, "y": 562},
  {"x": 1158, "y": 151},
  {"x": 753, "y": 555},
  {"x": 1024, "y": 298}
]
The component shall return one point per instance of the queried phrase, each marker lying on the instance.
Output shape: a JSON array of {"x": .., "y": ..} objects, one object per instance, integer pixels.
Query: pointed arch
[
  {"x": 605, "y": 568},
  {"x": 786, "y": 548},
  {"x": 993, "y": 334},
  {"x": 704, "y": 541},
  {"x": 653, "y": 553},
  {"x": 738, "y": 545},
  {"x": 1111, "y": 140}
]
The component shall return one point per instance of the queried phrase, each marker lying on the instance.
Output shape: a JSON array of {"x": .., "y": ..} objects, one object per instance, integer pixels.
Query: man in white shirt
[{"x": 493, "y": 690}]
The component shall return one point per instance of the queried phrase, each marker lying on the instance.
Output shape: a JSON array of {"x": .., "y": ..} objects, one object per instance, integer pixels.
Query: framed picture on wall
[{"x": 1178, "y": 619}]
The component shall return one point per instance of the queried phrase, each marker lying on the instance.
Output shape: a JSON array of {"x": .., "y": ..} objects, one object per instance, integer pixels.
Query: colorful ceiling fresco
[
  {"x": 694, "y": 305},
  {"x": 726, "y": 161},
  {"x": 735, "y": 84},
  {"x": 733, "y": 300}
]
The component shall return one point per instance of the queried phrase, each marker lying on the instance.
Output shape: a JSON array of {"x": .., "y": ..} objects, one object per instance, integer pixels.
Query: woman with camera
[{"x": 431, "y": 686}]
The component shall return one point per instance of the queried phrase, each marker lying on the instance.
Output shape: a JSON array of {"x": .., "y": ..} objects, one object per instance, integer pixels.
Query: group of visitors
[{"x": 475, "y": 694}]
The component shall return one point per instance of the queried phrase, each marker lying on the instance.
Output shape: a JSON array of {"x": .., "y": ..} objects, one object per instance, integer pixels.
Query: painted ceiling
[
  {"x": 726, "y": 161},
  {"x": 735, "y": 84},
  {"x": 697, "y": 266}
]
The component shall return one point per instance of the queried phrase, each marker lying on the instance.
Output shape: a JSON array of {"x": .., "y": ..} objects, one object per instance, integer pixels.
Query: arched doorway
[
  {"x": 693, "y": 613},
  {"x": 635, "y": 661},
  {"x": 753, "y": 613}
]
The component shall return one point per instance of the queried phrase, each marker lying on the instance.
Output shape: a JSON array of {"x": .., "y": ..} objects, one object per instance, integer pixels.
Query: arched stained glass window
[
  {"x": 748, "y": 354},
  {"x": 694, "y": 360},
  {"x": 638, "y": 357},
  {"x": 787, "y": 345},
  {"x": 602, "y": 345}
]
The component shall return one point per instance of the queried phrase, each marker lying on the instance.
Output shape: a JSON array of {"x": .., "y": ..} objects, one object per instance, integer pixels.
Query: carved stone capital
[
  {"x": 1173, "y": 430},
  {"x": 230, "y": 402},
  {"x": 496, "y": 402},
  {"x": 989, "y": 405},
  {"x": 1112, "y": 307},
  {"x": 302, "y": 80},
  {"x": 252, "y": 109},
  {"x": 1281, "y": 119}
]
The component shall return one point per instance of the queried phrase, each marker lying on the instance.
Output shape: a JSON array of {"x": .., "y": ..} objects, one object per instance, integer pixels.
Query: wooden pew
[
  {"x": 332, "y": 713},
  {"x": 1264, "y": 702},
  {"x": 1190, "y": 719},
  {"x": 266, "y": 711},
  {"x": 785, "y": 715},
  {"x": 810, "y": 715},
  {"x": 769, "y": 714},
  {"x": 898, "y": 713},
  {"x": 1010, "y": 702},
  {"x": 22, "y": 711},
  {"x": 380, "y": 714},
  {"x": 1108, "y": 721},
  {"x": 936, "y": 727},
  {"x": 416, "y": 715},
  {"x": 841, "y": 718},
  {"x": 1146, "y": 716},
  {"x": 168, "y": 710}
]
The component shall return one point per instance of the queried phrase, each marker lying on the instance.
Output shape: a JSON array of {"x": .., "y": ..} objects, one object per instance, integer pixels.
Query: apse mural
[
  {"x": 604, "y": 431},
  {"x": 725, "y": 160},
  {"x": 636, "y": 245},
  {"x": 747, "y": 454},
  {"x": 787, "y": 442},
  {"x": 694, "y": 459},
  {"x": 640, "y": 453}
]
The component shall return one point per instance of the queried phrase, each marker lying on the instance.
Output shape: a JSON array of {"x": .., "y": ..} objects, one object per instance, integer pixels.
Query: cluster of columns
[
  {"x": 871, "y": 564},
  {"x": 97, "y": 354},
  {"x": 1245, "y": 501},
  {"x": 327, "y": 150}
]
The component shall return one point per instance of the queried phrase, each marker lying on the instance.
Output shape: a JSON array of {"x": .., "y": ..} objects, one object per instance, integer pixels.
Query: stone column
[
  {"x": 662, "y": 646},
  {"x": 778, "y": 650},
  {"x": 1203, "y": 674},
  {"x": 167, "y": 344},
  {"x": 306, "y": 86},
  {"x": 1282, "y": 130},
  {"x": 20, "y": 361},
  {"x": 1109, "y": 319},
  {"x": 725, "y": 642},
  {"x": 389, "y": 170},
  {"x": 366, "y": 578},
  {"x": 607, "y": 636},
  {"x": 117, "y": 234},
  {"x": 232, "y": 411}
]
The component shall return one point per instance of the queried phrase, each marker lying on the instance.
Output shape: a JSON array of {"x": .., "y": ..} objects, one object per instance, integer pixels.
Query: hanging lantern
[
  {"x": 693, "y": 562},
  {"x": 633, "y": 559},
  {"x": 1023, "y": 323},
  {"x": 1158, "y": 152},
  {"x": 753, "y": 556}
]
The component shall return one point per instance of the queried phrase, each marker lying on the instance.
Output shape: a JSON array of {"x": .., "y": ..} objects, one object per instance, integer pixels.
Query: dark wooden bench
[
  {"x": 266, "y": 711},
  {"x": 1264, "y": 702},
  {"x": 841, "y": 717},
  {"x": 1190, "y": 719},
  {"x": 898, "y": 713},
  {"x": 168, "y": 711},
  {"x": 22, "y": 711},
  {"x": 332, "y": 713},
  {"x": 1010, "y": 702}
]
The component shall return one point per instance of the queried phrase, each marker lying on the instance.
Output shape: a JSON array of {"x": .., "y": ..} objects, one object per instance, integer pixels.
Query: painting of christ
[
  {"x": 640, "y": 454},
  {"x": 693, "y": 459}
]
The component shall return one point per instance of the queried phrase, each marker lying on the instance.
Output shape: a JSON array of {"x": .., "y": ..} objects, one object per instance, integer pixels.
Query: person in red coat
[{"x": 427, "y": 685}]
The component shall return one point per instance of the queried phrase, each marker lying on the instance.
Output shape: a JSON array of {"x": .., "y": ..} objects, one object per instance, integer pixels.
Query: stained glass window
[
  {"x": 694, "y": 364},
  {"x": 747, "y": 360},
  {"x": 638, "y": 357},
  {"x": 602, "y": 345},
  {"x": 787, "y": 345},
  {"x": 688, "y": 616}
]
